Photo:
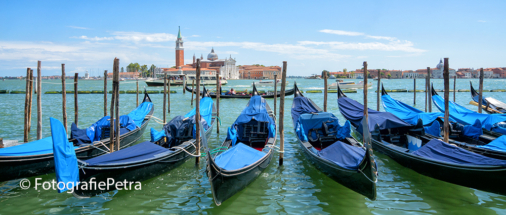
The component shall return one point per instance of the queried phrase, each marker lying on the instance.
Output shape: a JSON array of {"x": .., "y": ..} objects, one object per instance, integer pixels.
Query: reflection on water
[{"x": 297, "y": 187}]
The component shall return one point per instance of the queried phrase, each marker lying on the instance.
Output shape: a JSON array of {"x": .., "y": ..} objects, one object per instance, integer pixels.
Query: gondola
[
  {"x": 166, "y": 150},
  {"x": 246, "y": 96},
  {"x": 36, "y": 158},
  {"x": 331, "y": 148},
  {"x": 469, "y": 137},
  {"x": 493, "y": 124},
  {"x": 400, "y": 141},
  {"x": 246, "y": 151},
  {"x": 489, "y": 104}
]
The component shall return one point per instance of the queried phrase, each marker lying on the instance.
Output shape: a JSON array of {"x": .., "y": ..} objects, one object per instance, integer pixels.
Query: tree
[
  {"x": 122, "y": 70},
  {"x": 325, "y": 71},
  {"x": 345, "y": 70},
  {"x": 382, "y": 74},
  {"x": 144, "y": 70},
  {"x": 389, "y": 76}
]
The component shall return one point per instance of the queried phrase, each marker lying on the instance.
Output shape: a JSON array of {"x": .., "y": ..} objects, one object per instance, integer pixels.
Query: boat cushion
[
  {"x": 238, "y": 156},
  {"x": 139, "y": 113},
  {"x": 344, "y": 155},
  {"x": 441, "y": 151},
  {"x": 498, "y": 144},
  {"x": 138, "y": 153}
]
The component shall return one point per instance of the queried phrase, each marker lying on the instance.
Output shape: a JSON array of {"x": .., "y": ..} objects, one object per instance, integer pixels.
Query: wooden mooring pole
[
  {"x": 197, "y": 112},
  {"x": 113, "y": 99},
  {"x": 426, "y": 92},
  {"x": 429, "y": 89},
  {"x": 378, "y": 97},
  {"x": 325, "y": 91},
  {"x": 282, "y": 114},
  {"x": 480, "y": 97},
  {"x": 168, "y": 95},
  {"x": 275, "y": 93},
  {"x": 39, "y": 101},
  {"x": 116, "y": 70},
  {"x": 137, "y": 98},
  {"x": 30, "y": 102},
  {"x": 446, "y": 76},
  {"x": 165, "y": 97},
  {"x": 366, "y": 113},
  {"x": 25, "y": 130},
  {"x": 105, "y": 93},
  {"x": 454, "y": 89},
  {"x": 76, "y": 107},
  {"x": 193, "y": 89},
  {"x": 414, "y": 91},
  {"x": 64, "y": 96},
  {"x": 218, "y": 93}
]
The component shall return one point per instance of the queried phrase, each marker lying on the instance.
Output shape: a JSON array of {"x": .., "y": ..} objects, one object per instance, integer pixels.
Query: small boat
[
  {"x": 179, "y": 80},
  {"x": 494, "y": 124},
  {"x": 332, "y": 149},
  {"x": 469, "y": 137},
  {"x": 348, "y": 85},
  {"x": 37, "y": 158},
  {"x": 166, "y": 150},
  {"x": 489, "y": 104},
  {"x": 245, "y": 94},
  {"x": 268, "y": 83},
  {"x": 401, "y": 142},
  {"x": 332, "y": 77},
  {"x": 246, "y": 151}
]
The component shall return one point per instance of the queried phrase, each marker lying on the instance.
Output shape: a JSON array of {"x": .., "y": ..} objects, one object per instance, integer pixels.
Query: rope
[
  {"x": 219, "y": 120},
  {"x": 158, "y": 120},
  {"x": 273, "y": 147},
  {"x": 193, "y": 155},
  {"x": 368, "y": 177}
]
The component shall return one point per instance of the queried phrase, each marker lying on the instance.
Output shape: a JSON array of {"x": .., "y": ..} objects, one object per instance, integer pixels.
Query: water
[{"x": 297, "y": 187}]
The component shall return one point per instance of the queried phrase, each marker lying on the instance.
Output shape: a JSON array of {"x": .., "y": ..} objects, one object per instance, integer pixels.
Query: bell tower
[{"x": 179, "y": 50}]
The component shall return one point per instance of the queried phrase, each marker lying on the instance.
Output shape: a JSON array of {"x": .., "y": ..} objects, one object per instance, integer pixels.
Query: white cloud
[
  {"x": 405, "y": 46},
  {"x": 381, "y": 38},
  {"x": 339, "y": 32},
  {"x": 94, "y": 38},
  {"x": 76, "y": 27},
  {"x": 148, "y": 37},
  {"x": 231, "y": 52},
  {"x": 195, "y": 36},
  {"x": 482, "y": 21}
]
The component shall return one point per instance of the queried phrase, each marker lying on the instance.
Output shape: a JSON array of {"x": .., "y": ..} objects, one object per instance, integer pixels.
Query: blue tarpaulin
[
  {"x": 301, "y": 105},
  {"x": 474, "y": 130},
  {"x": 468, "y": 117},
  {"x": 255, "y": 110},
  {"x": 238, "y": 156},
  {"x": 65, "y": 160},
  {"x": 498, "y": 144},
  {"x": 137, "y": 153},
  {"x": 94, "y": 132},
  {"x": 344, "y": 155},
  {"x": 434, "y": 129},
  {"x": 206, "y": 110},
  {"x": 354, "y": 112},
  {"x": 441, "y": 151},
  {"x": 139, "y": 113},
  {"x": 38, "y": 147},
  {"x": 407, "y": 113},
  {"x": 308, "y": 121},
  {"x": 156, "y": 135}
]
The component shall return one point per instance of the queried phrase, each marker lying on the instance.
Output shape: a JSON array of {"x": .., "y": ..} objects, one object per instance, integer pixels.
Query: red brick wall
[{"x": 179, "y": 58}]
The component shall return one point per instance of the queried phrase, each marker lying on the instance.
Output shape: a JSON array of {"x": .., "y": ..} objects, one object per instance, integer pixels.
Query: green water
[{"x": 297, "y": 187}]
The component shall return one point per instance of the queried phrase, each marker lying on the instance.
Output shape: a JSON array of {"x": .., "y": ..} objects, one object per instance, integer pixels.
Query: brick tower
[{"x": 179, "y": 50}]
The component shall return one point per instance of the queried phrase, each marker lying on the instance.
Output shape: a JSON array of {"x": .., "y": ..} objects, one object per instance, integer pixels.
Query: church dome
[
  {"x": 440, "y": 65},
  {"x": 212, "y": 55}
]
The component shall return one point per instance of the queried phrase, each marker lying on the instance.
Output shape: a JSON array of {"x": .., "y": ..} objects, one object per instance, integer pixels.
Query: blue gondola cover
[
  {"x": 141, "y": 152},
  {"x": 344, "y": 155},
  {"x": 139, "y": 113},
  {"x": 499, "y": 144},
  {"x": 468, "y": 117},
  {"x": 206, "y": 110},
  {"x": 434, "y": 129},
  {"x": 354, "y": 112},
  {"x": 301, "y": 105},
  {"x": 441, "y": 151},
  {"x": 65, "y": 160},
  {"x": 156, "y": 135},
  {"x": 474, "y": 130},
  {"x": 256, "y": 110},
  {"x": 38, "y": 147},
  {"x": 238, "y": 157},
  {"x": 407, "y": 113}
]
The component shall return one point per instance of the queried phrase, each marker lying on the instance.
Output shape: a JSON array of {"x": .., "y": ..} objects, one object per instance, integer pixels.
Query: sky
[{"x": 310, "y": 35}]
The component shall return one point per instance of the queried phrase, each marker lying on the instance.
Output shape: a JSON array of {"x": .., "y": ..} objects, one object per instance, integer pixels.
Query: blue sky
[{"x": 310, "y": 35}]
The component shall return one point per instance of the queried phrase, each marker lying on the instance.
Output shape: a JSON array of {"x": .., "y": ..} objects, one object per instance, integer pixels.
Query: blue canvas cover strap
[
  {"x": 238, "y": 156},
  {"x": 354, "y": 112},
  {"x": 407, "y": 113},
  {"x": 344, "y": 155},
  {"x": 499, "y": 144},
  {"x": 65, "y": 160},
  {"x": 138, "y": 153},
  {"x": 441, "y": 151}
]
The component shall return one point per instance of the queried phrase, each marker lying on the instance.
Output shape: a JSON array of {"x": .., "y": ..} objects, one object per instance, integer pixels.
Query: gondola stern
[
  {"x": 297, "y": 92},
  {"x": 340, "y": 92},
  {"x": 383, "y": 91},
  {"x": 433, "y": 92},
  {"x": 255, "y": 91}
]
